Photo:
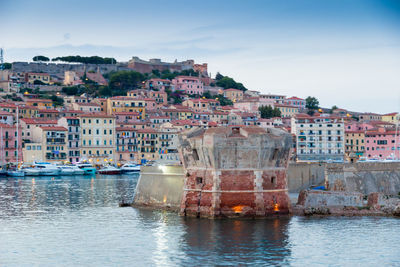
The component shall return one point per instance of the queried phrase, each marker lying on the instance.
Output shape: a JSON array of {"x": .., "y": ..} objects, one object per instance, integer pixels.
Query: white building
[{"x": 318, "y": 138}]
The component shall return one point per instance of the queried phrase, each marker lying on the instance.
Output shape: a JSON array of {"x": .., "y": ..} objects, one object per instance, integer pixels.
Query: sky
[{"x": 343, "y": 52}]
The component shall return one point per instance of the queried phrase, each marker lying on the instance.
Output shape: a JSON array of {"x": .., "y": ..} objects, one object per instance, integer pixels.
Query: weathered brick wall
[{"x": 235, "y": 172}]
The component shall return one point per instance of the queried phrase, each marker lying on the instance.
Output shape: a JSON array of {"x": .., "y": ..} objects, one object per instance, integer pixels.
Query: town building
[
  {"x": 74, "y": 137},
  {"x": 33, "y": 77},
  {"x": 382, "y": 143},
  {"x": 126, "y": 145},
  {"x": 126, "y": 104},
  {"x": 287, "y": 111},
  {"x": 190, "y": 85},
  {"x": 296, "y": 102},
  {"x": 53, "y": 143},
  {"x": 355, "y": 142},
  {"x": 98, "y": 138},
  {"x": 233, "y": 94},
  {"x": 319, "y": 138},
  {"x": 147, "y": 145},
  {"x": 9, "y": 144}
]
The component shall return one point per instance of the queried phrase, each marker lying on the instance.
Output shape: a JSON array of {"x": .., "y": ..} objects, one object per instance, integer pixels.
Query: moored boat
[
  {"x": 47, "y": 169},
  {"x": 31, "y": 171},
  {"x": 70, "y": 170},
  {"x": 16, "y": 173},
  {"x": 109, "y": 170},
  {"x": 86, "y": 167},
  {"x": 130, "y": 167}
]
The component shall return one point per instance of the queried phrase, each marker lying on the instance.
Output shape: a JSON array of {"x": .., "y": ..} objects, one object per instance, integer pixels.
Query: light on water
[{"x": 76, "y": 221}]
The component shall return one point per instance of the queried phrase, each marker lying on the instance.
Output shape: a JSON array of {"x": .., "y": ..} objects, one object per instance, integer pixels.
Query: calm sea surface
[{"x": 75, "y": 221}]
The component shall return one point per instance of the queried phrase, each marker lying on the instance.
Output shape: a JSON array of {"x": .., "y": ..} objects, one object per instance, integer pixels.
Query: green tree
[
  {"x": 312, "y": 103},
  {"x": 57, "y": 101},
  {"x": 223, "y": 101},
  {"x": 269, "y": 112},
  {"x": 125, "y": 80},
  {"x": 70, "y": 90},
  {"x": 219, "y": 76},
  {"x": 7, "y": 66},
  {"x": 40, "y": 58},
  {"x": 333, "y": 108},
  {"x": 227, "y": 82},
  {"x": 105, "y": 91},
  {"x": 87, "y": 60}
]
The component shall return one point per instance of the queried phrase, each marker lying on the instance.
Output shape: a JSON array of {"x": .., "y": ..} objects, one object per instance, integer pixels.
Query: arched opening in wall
[{"x": 273, "y": 179}]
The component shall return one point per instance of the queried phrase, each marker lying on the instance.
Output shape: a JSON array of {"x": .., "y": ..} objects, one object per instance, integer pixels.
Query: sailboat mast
[{"x": 17, "y": 136}]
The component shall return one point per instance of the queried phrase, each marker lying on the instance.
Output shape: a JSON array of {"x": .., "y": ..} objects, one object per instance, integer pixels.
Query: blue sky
[{"x": 345, "y": 53}]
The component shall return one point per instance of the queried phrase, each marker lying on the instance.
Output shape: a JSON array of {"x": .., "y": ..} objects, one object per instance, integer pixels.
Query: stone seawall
[
  {"x": 301, "y": 176},
  {"x": 160, "y": 187},
  {"x": 364, "y": 177}
]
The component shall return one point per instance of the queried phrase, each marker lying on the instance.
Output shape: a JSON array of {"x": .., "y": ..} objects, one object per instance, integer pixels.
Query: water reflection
[
  {"x": 76, "y": 221},
  {"x": 19, "y": 196},
  {"x": 238, "y": 241}
]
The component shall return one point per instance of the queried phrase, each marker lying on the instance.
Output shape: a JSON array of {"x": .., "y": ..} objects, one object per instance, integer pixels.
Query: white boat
[
  {"x": 110, "y": 170},
  {"x": 31, "y": 171},
  {"x": 130, "y": 167},
  {"x": 46, "y": 168},
  {"x": 16, "y": 173},
  {"x": 70, "y": 170},
  {"x": 86, "y": 167}
]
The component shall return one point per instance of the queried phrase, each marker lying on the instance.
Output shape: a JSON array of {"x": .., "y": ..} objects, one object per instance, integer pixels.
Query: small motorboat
[
  {"x": 109, "y": 170},
  {"x": 70, "y": 170},
  {"x": 87, "y": 168},
  {"x": 130, "y": 167},
  {"x": 16, "y": 173}
]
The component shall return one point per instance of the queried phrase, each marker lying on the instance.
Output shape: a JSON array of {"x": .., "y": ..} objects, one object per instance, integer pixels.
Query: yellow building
[
  {"x": 28, "y": 112},
  {"x": 233, "y": 94},
  {"x": 98, "y": 137},
  {"x": 147, "y": 145},
  {"x": 43, "y": 77},
  {"x": 102, "y": 102},
  {"x": 32, "y": 152},
  {"x": 355, "y": 142},
  {"x": 53, "y": 142},
  {"x": 287, "y": 111},
  {"x": 40, "y": 103},
  {"x": 126, "y": 104},
  {"x": 391, "y": 117}
]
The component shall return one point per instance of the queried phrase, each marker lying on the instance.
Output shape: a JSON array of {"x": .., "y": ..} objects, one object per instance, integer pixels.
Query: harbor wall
[
  {"x": 160, "y": 187},
  {"x": 364, "y": 177},
  {"x": 303, "y": 175},
  {"x": 163, "y": 186}
]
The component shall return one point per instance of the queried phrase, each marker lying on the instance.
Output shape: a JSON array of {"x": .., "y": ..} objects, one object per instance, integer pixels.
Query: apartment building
[
  {"x": 98, "y": 137},
  {"x": 74, "y": 137},
  {"x": 126, "y": 144},
  {"x": 318, "y": 138},
  {"x": 53, "y": 143}
]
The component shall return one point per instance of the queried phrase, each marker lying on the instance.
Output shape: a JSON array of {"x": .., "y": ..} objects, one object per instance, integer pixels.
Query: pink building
[
  {"x": 381, "y": 143},
  {"x": 191, "y": 85},
  {"x": 296, "y": 102},
  {"x": 251, "y": 104},
  {"x": 6, "y": 117},
  {"x": 8, "y": 144}
]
